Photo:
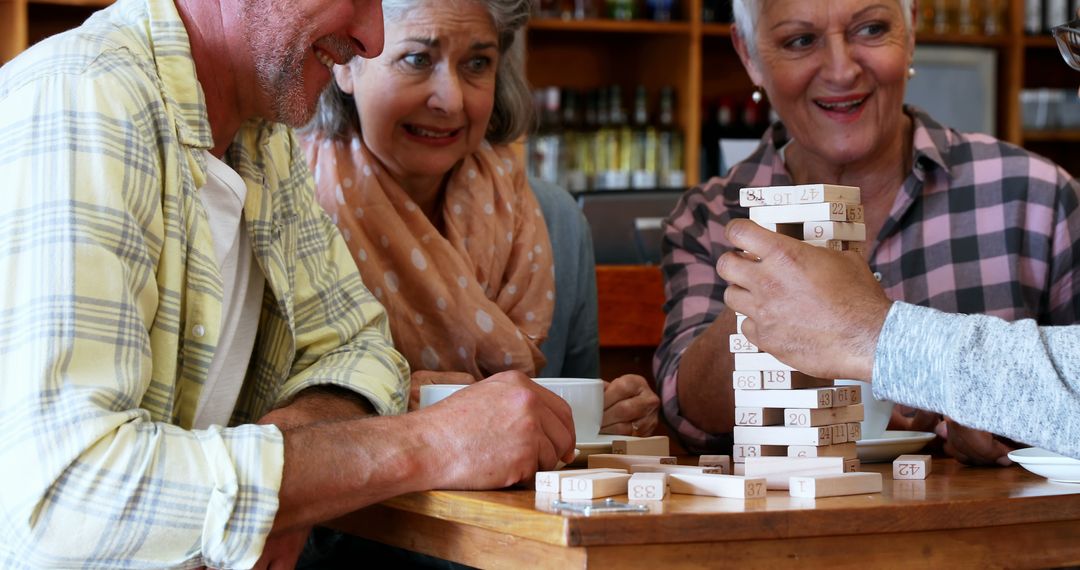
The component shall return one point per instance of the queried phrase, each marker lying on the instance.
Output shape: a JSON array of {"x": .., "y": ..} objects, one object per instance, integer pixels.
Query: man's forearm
[
  {"x": 706, "y": 396},
  {"x": 319, "y": 404}
]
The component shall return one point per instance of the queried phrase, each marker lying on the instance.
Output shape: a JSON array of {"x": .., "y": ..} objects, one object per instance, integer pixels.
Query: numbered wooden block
[
  {"x": 741, "y": 451},
  {"x": 594, "y": 485},
  {"x": 759, "y": 361},
  {"x": 746, "y": 380},
  {"x": 819, "y": 212},
  {"x": 655, "y": 445},
  {"x": 778, "y": 470},
  {"x": 647, "y": 487},
  {"x": 809, "y": 417},
  {"x": 854, "y": 430},
  {"x": 911, "y": 467},
  {"x": 722, "y": 462},
  {"x": 623, "y": 461},
  {"x": 785, "y": 380},
  {"x": 848, "y": 396},
  {"x": 728, "y": 486},
  {"x": 758, "y": 416},
  {"x": 551, "y": 481},
  {"x": 852, "y": 465},
  {"x": 737, "y": 343},
  {"x": 809, "y": 398},
  {"x": 665, "y": 468},
  {"x": 778, "y": 435},
  {"x": 800, "y": 194},
  {"x": 845, "y": 450},
  {"x": 839, "y": 433},
  {"x": 846, "y": 231},
  {"x": 739, "y": 318},
  {"x": 816, "y": 486}
]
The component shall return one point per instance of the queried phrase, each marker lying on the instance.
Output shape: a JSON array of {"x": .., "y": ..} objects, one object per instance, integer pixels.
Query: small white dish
[
  {"x": 599, "y": 444},
  {"x": 1054, "y": 466},
  {"x": 891, "y": 445}
]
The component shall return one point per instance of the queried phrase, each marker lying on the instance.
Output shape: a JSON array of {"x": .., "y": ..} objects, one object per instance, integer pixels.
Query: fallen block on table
[
  {"x": 655, "y": 445},
  {"x": 816, "y": 486},
  {"x": 620, "y": 461},
  {"x": 727, "y": 486},
  {"x": 551, "y": 481},
  {"x": 594, "y": 485},
  {"x": 911, "y": 467},
  {"x": 647, "y": 486}
]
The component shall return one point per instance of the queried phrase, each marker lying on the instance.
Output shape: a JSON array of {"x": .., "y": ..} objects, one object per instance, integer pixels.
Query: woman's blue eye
[
  {"x": 417, "y": 59},
  {"x": 478, "y": 64},
  {"x": 800, "y": 42},
  {"x": 875, "y": 29}
]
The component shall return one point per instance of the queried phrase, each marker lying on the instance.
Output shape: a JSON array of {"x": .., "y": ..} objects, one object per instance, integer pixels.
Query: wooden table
[{"x": 958, "y": 517}]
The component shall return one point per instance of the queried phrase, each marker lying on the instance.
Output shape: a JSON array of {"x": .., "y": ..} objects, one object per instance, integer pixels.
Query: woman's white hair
[{"x": 746, "y": 14}]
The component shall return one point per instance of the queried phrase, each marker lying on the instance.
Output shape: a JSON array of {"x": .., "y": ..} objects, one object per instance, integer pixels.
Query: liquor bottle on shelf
[
  {"x": 599, "y": 141},
  {"x": 660, "y": 10},
  {"x": 643, "y": 148},
  {"x": 545, "y": 152},
  {"x": 618, "y": 143},
  {"x": 716, "y": 11},
  {"x": 669, "y": 151},
  {"x": 994, "y": 17},
  {"x": 587, "y": 9},
  {"x": 574, "y": 144},
  {"x": 622, "y": 9}
]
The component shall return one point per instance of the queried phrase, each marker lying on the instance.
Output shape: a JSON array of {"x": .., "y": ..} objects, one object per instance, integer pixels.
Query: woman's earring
[
  {"x": 910, "y": 72},
  {"x": 757, "y": 95}
]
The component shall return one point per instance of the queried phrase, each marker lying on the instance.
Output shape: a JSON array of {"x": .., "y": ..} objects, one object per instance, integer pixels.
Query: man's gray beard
[{"x": 279, "y": 62}]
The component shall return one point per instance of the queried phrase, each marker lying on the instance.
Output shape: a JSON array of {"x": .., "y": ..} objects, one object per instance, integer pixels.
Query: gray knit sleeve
[{"x": 1013, "y": 379}]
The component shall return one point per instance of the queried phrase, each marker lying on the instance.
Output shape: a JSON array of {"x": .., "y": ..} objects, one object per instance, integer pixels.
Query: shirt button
[
  {"x": 198, "y": 331},
  {"x": 877, "y": 276}
]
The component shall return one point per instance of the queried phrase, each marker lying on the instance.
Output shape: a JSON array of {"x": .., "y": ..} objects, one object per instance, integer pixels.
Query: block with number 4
[
  {"x": 911, "y": 467},
  {"x": 551, "y": 481}
]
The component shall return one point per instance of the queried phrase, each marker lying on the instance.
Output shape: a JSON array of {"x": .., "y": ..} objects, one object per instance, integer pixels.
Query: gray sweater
[{"x": 1014, "y": 379}]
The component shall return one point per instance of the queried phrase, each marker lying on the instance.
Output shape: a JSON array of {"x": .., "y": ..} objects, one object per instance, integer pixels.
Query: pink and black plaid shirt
[{"x": 979, "y": 226}]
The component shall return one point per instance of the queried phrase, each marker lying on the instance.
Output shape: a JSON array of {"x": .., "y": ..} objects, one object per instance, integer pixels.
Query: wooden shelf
[
  {"x": 716, "y": 30},
  {"x": 962, "y": 40},
  {"x": 1040, "y": 42},
  {"x": 632, "y": 26},
  {"x": 1067, "y": 135}
]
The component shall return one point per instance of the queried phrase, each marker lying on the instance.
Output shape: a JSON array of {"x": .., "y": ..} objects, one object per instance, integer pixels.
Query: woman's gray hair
[
  {"x": 512, "y": 114},
  {"x": 746, "y": 13}
]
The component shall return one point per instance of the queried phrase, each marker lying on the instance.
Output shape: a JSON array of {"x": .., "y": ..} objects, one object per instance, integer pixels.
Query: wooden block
[
  {"x": 729, "y": 486},
  {"x": 852, "y": 465},
  {"x": 785, "y": 380},
  {"x": 778, "y": 470},
  {"x": 551, "y": 481},
  {"x": 808, "y": 417},
  {"x": 809, "y": 398},
  {"x": 621, "y": 461},
  {"x": 759, "y": 361},
  {"x": 819, "y": 212},
  {"x": 839, "y": 433},
  {"x": 737, "y": 343},
  {"x": 647, "y": 487},
  {"x": 746, "y": 380},
  {"x": 740, "y": 470},
  {"x": 847, "y": 396},
  {"x": 758, "y": 416},
  {"x": 594, "y": 485},
  {"x": 846, "y": 450},
  {"x": 739, "y": 318},
  {"x": 846, "y": 231},
  {"x": 665, "y": 468},
  {"x": 741, "y": 451},
  {"x": 779, "y": 435},
  {"x": 911, "y": 467},
  {"x": 854, "y": 430},
  {"x": 800, "y": 194},
  {"x": 655, "y": 445},
  {"x": 814, "y": 486},
  {"x": 722, "y": 462}
]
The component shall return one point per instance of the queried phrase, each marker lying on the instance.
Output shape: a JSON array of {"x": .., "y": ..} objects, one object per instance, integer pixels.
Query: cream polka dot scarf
[{"x": 476, "y": 298}]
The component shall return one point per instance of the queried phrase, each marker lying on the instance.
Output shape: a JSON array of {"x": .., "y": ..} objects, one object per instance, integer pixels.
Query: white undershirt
[{"x": 242, "y": 284}]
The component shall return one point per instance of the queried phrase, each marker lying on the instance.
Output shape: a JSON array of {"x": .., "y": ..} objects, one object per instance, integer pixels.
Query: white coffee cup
[
  {"x": 876, "y": 413},
  {"x": 585, "y": 396},
  {"x": 586, "y": 399}
]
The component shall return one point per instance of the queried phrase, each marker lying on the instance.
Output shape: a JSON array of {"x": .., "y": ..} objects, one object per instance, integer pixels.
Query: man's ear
[
  {"x": 744, "y": 55},
  {"x": 343, "y": 74}
]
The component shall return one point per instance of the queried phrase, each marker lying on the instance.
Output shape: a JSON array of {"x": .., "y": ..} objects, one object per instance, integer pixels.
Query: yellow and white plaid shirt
[{"x": 111, "y": 305}]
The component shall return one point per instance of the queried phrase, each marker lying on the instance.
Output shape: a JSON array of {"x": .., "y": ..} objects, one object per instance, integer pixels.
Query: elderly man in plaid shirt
[
  {"x": 192, "y": 373},
  {"x": 959, "y": 222}
]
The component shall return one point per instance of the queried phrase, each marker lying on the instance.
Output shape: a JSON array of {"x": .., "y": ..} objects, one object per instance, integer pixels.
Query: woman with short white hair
[{"x": 955, "y": 221}]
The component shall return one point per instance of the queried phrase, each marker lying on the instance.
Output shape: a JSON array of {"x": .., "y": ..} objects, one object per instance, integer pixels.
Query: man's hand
[
  {"x": 282, "y": 550},
  {"x": 495, "y": 433},
  {"x": 630, "y": 406},
  {"x": 973, "y": 446},
  {"x": 423, "y": 377},
  {"x": 818, "y": 310}
]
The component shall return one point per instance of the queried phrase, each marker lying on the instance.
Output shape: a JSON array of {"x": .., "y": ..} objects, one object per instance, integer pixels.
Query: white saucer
[
  {"x": 891, "y": 445},
  {"x": 600, "y": 444},
  {"x": 1055, "y": 467}
]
